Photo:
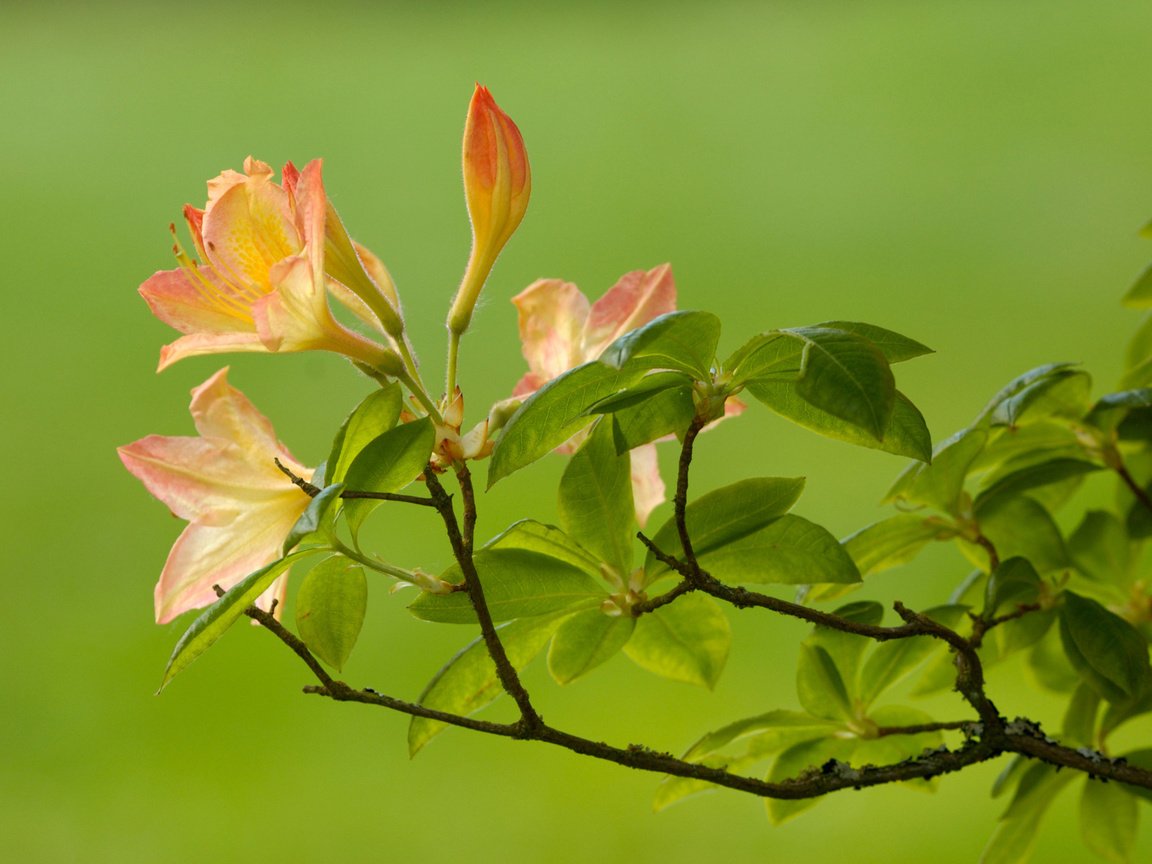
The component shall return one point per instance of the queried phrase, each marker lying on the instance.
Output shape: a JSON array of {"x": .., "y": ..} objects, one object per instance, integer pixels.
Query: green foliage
[
  {"x": 330, "y": 606},
  {"x": 685, "y": 641},
  {"x": 387, "y": 463}
]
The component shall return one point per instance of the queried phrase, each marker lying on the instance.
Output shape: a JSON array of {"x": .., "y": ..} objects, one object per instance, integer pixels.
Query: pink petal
[
  {"x": 204, "y": 556},
  {"x": 176, "y": 299},
  {"x": 552, "y": 315},
  {"x": 248, "y": 228},
  {"x": 198, "y": 344},
  {"x": 632, "y": 302},
  {"x": 648, "y": 490}
]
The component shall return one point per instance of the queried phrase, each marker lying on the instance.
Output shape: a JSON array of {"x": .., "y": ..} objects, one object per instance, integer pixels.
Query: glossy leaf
[
  {"x": 684, "y": 341},
  {"x": 372, "y": 417},
  {"x": 906, "y": 433},
  {"x": 685, "y": 641},
  {"x": 468, "y": 681},
  {"x": 585, "y": 640},
  {"x": 212, "y": 623},
  {"x": 648, "y": 387},
  {"x": 819, "y": 685},
  {"x": 1062, "y": 393},
  {"x": 596, "y": 501},
  {"x": 549, "y": 540},
  {"x": 388, "y": 463},
  {"x": 1107, "y": 651},
  {"x": 1110, "y": 410},
  {"x": 517, "y": 583},
  {"x": 1033, "y": 381},
  {"x": 939, "y": 485},
  {"x": 1108, "y": 820},
  {"x": 553, "y": 414},
  {"x": 1014, "y": 583},
  {"x": 893, "y": 541},
  {"x": 895, "y": 347},
  {"x": 317, "y": 518},
  {"x": 1015, "y": 835},
  {"x": 1100, "y": 548},
  {"x": 668, "y": 412},
  {"x": 330, "y": 608}
]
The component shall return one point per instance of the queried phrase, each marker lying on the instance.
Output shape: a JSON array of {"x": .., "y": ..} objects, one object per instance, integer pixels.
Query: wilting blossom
[
  {"x": 270, "y": 254},
  {"x": 497, "y": 185},
  {"x": 226, "y": 485}
]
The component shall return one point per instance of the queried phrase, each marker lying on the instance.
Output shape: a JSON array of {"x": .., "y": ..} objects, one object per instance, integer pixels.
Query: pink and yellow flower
[
  {"x": 270, "y": 255},
  {"x": 238, "y": 504},
  {"x": 497, "y": 185}
]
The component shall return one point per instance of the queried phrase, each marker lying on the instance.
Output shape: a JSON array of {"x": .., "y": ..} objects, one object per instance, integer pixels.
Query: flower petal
[
  {"x": 552, "y": 315},
  {"x": 648, "y": 490},
  {"x": 632, "y": 302},
  {"x": 176, "y": 299}
]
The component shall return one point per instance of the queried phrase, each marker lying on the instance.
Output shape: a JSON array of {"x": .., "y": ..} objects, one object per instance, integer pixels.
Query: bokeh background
[{"x": 972, "y": 174}]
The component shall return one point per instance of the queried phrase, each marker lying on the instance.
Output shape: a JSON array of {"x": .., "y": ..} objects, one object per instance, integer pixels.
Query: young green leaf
[
  {"x": 317, "y": 518},
  {"x": 1014, "y": 837},
  {"x": 387, "y": 463},
  {"x": 1021, "y": 527},
  {"x": 585, "y": 640},
  {"x": 895, "y": 347},
  {"x": 1014, "y": 583},
  {"x": 668, "y": 412},
  {"x": 846, "y": 649},
  {"x": 1019, "y": 392},
  {"x": 684, "y": 341},
  {"x": 1079, "y": 726},
  {"x": 685, "y": 641},
  {"x": 518, "y": 583},
  {"x": 555, "y": 413},
  {"x": 468, "y": 681},
  {"x": 549, "y": 540},
  {"x": 890, "y": 662},
  {"x": 1139, "y": 296},
  {"x": 1107, "y": 651},
  {"x": 939, "y": 485},
  {"x": 1100, "y": 548},
  {"x": 330, "y": 609},
  {"x": 374, "y": 416},
  {"x": 1061, "y": 393},
  {"x": 819, "y": 685},
  {"x": 1108, "y": 820},
  {"x": 596, "y": 507},
  {"x": 766, "y": 733},
  {"x": 906, "y": 433},
  {"x": 211, "y": 624},
  {"x": 893, "y": 541},
  {"x": 726, "y": 515},
  {"x": 794, "y": 761}
]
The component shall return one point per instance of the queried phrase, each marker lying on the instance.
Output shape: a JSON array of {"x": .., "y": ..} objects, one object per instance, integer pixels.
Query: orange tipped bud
[{"x": 497, "y": 184}]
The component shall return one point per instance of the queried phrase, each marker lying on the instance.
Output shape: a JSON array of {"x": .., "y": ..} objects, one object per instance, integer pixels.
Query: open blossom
[
  {"x": 497, "y": 185},
  {"x": 560, "y": 329},
  {"x": 270, "y": 255},
  {"x": 238, "y": 504}
]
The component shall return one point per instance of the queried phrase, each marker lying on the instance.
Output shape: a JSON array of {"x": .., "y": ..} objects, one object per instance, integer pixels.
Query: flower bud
[{"x": 497, "y": 184}]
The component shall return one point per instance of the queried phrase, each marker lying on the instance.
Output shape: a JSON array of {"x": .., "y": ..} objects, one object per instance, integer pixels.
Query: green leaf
[
  {"x": 1014, "y": 583},
  {"x": 891, "y": 662},
  {"x": 517, "y": 583},
  {"x": 668, "y": 412},
  {"x": 685, "y": 341},
  {"x": 1107, "y": 651},
  {"x": 1100, "y": 548},
  {"x": 791, "y": 551},
  {"x": 549, "y": 540},
  {"x": 905, "y": 435},
  {"x": 1108, "y": 820},
  {"x": 468, "y": 681},
  {"x": 387, "y": 463},
  {"x": 1015, "y": 836},
  {"x": 585, "y": 640},
  {"x": 895, "y": 347},
  {"x": 317, "y": 517},
  {"x": 1139, "y": 296},
  {"x": 1022, "y": 527},
  {"x": 893, "y": 541},
  {"x": 1050, "y": 665},
  {"x": 940, "y": 485},
  {"x": 375, "y": 415},
  {"x": 211, "y": 624},
  {"x": 847, "y": 377},
  {"x": 793, "y": 762},
  {"x": 330, "y": 609},
  {"x": 1036, "y": 476},
  {"x": 846, "y": 649},
  {"x": 1062, "y": 393},
  {"x": 819, "y": 685},
  {"x": 1018, "y": 393},
  {"x": 648, "y": 387},
  {"x": 1138, "y": 357},
  {"x": 1111, "y": 409},
  {"x": 685, "y": 641},
  {"x": 1079, "y": 726},
  {"x": 769, "y": 733},
  {"x": 596, "y": 507},
  {"x": 726, "y": 515},
  {"x": 553, "y": 414},
  {"x": 776, "y": 355}
]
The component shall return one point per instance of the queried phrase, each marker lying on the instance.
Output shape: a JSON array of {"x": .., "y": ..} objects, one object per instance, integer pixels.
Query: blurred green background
[{"x": 972, "y": 174}]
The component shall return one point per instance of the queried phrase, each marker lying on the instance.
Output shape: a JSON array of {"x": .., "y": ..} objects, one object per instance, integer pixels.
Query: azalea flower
[
  {"x": 238, "y": 504},
  {"x": 497, "y": 185},
  {"x": 560, "y": 329},
  {"x": 270, "y": 255}
]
